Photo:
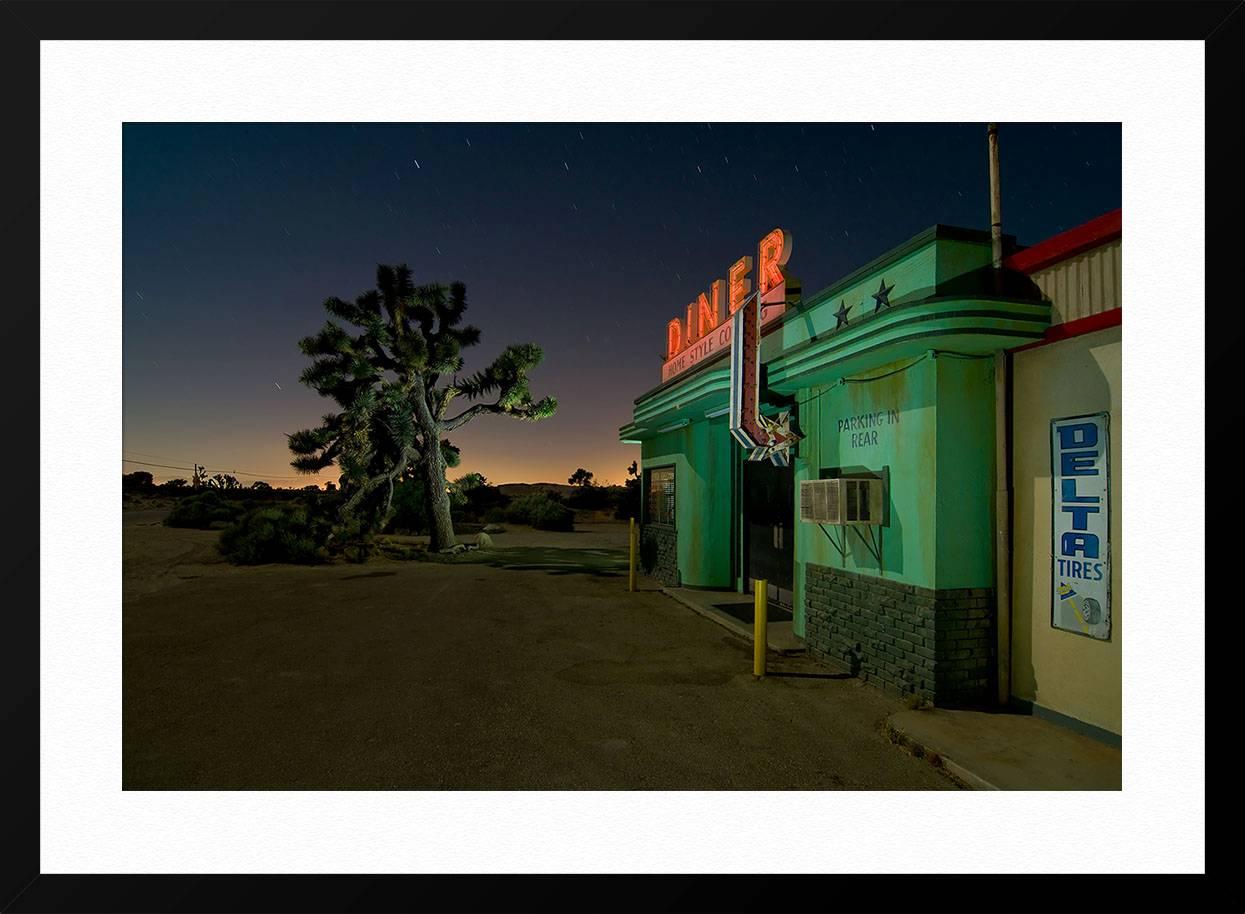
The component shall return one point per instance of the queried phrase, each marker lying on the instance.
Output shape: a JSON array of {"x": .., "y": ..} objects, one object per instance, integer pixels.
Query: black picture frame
[{"x": 24, "y": 23}]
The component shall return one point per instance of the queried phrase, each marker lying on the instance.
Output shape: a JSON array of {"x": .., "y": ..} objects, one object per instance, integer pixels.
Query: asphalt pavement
[{"x": 529, "y": 671}]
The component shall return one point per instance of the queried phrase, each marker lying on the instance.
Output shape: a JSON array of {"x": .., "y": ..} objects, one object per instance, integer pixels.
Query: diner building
[{"x": 981, "y": 409}]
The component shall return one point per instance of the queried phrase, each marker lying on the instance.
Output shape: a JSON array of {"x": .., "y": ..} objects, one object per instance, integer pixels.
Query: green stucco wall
[
  {"x": 911, "y": 276},
  {"x": 701, "y": 453},
  {"x": 959, "y": 258},
  {"x": 966, "y": 478},
  {"x": 936, "y": 437},
  {"x": 905, "y": 442}
]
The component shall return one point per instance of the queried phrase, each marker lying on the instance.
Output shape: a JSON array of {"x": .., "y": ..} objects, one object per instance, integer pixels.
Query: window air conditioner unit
[{"x": 841, "y": 501}]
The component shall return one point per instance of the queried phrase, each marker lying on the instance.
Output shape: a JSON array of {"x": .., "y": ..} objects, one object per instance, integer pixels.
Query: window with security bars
[{"x": 660, "y": 501}]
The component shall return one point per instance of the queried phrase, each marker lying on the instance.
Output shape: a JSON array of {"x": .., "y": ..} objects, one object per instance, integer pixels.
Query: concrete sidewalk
[
  {"x": 1001, "y": 751},
  {"x": 779, "y": 636}
]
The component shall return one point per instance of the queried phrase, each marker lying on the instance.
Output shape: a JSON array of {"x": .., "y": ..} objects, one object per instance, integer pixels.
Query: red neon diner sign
[{"x": 705, "y": 330}]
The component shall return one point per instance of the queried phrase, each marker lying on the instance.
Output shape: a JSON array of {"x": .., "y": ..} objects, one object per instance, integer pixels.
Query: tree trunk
[{"x": 442, "y": 525}]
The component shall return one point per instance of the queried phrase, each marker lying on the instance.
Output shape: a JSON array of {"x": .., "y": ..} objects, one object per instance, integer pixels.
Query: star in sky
[
  {"x": 841, "y": 314},
  {"x": 882, "y": 296}
]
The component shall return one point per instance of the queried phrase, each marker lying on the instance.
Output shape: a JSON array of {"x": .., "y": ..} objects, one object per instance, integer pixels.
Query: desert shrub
[
  {"x": 498, "y": 515},
  {"x": 628, "y": 500},
  {"x": 552, "y": 515},
  {"x": 463, "y": 486},
  {"x": 482, "y": 500},
  {"x": 202, "y": 510},
  {"x": 519, "y": 511},
  {"x": 542, "y": 511},
  {"x": 590, "y": 498},
  {"x": 410, "y": 511},
  {"x": 139, "y": 481},
  {"x": 281, "y": 533}
]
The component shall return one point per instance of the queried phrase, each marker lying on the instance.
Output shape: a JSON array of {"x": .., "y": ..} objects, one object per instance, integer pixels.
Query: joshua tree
[
  {"x": 388, "y": 378},
  {"x": 224, "y": 481},
  {"x": 580, "y": 477}
]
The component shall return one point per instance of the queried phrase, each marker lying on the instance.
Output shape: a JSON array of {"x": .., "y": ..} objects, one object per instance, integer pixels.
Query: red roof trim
[
  {"x": 1066, "y": 244},
  {"x": 1095, "y": 322}
]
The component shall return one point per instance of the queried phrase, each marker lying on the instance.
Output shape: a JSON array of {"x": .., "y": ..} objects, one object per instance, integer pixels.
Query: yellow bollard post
[
  {"x": 759, "y": 618},
  {"x": 631, "y": 562}
]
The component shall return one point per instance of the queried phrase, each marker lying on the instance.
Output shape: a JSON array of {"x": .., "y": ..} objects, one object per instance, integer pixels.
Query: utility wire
[
  {"x": 164, "y": 465},
  {"x": 214, "y": 469},
  {"x": 936, "y": 353},
  {"x": 878, "y": 377}
]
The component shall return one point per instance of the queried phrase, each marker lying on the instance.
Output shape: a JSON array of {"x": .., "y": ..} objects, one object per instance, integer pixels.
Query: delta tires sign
[{"x": 1081, "y": 525}]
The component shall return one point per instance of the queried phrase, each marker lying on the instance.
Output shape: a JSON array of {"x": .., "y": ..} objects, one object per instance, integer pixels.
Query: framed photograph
[{"x": 611, "y": 456}]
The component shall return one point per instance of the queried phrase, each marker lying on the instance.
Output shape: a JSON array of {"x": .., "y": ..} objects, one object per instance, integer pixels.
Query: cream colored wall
[{"x": 1065, "y": 672}]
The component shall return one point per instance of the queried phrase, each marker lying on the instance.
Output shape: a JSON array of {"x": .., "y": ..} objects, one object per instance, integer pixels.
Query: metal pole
[
  {"x": 996, "y": 207},
  {"x": 1002, "y": 455},
  {"x": 631, "y": 562},
  {"x": 1003, "y": 528},
  {"x": 759, "y": 613}
]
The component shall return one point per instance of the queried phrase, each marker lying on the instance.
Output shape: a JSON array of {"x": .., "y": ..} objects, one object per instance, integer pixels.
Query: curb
[
  {"x": 732, "y": 625},
  {"x": 950, "y": 767},
  {"x": 729, "y": 623}
]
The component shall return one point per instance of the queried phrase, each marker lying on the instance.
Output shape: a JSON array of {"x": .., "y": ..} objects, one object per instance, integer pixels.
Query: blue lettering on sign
[
  {"x": 1080, "y": 515},
  {"x": 1084, "y": 435},
  {"x": 1078, "y": 463},
  {"x": 1084, "y": 543},
  {"x": 1069, "y": 493},
  {"x": 1085, "y": 571}
]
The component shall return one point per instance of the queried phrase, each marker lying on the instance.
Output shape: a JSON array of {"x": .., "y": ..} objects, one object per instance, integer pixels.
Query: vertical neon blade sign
[
  {"x": 746, "y": 374},
  {"x": 765, "y": 438}
]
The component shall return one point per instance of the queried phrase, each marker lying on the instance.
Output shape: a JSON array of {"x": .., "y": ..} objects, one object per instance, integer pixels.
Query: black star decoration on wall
[
  {"x": 882, "y": 295},
  {"x": 841, "y": 314}
]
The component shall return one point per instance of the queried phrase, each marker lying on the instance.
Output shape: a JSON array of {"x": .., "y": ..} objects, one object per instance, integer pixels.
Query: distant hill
[{"x": 515, "y": 489}]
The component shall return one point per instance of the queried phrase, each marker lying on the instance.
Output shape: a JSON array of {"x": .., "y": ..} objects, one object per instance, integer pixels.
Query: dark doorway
[{"x": 769, "y": 519}]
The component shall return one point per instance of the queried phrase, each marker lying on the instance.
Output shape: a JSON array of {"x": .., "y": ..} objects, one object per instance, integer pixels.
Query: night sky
[{"x": 583, "y": 238}]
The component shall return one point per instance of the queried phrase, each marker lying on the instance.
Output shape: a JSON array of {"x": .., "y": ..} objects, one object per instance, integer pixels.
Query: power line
[
  {"x": 214, "y": 469},
  {"x": 164, "y": 465},
  {"x": 151, "y": 456}
]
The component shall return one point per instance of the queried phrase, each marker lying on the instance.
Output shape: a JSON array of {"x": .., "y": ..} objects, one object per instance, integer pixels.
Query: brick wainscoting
[
  {"x": 659, "y": 553},
  {"x": 939, "y": 644}
]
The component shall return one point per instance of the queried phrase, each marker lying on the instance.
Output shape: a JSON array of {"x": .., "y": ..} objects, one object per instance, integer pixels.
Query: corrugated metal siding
[{"x": 1083, "y": 285}]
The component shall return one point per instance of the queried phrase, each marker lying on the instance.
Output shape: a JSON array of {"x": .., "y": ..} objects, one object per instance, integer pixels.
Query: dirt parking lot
[{"x": 530, "y": 668}]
